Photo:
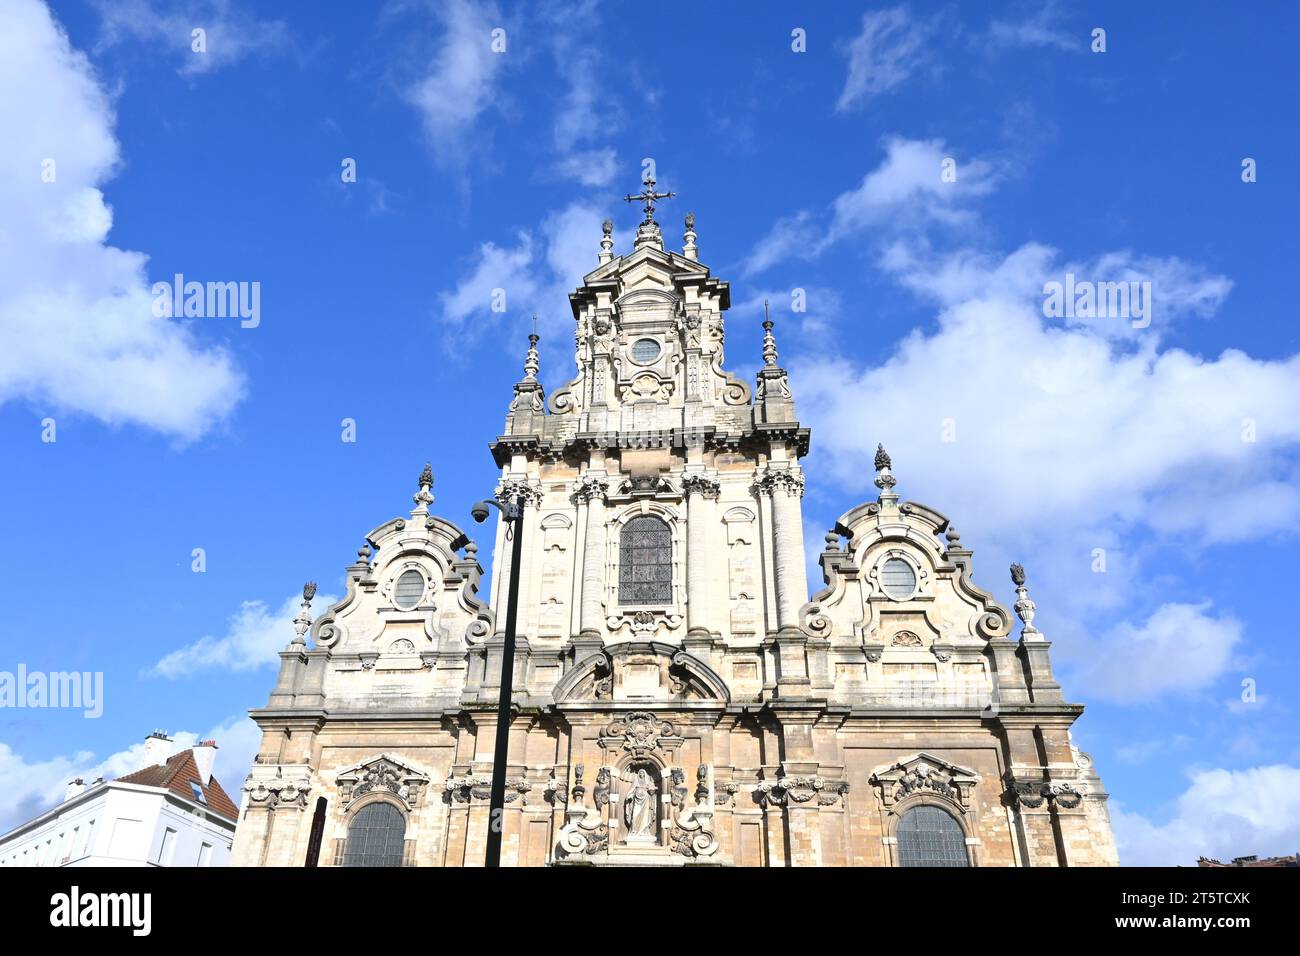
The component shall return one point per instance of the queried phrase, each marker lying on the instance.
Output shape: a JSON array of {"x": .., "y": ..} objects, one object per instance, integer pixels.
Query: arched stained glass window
[
  {"x": 929, "y": 836},
  {"x": 375, "y": 836},
  {"x": 645, "y": 562}
]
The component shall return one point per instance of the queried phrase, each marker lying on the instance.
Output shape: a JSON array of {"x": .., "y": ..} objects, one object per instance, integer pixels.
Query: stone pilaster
[
  {"x": 701, "y": 493},
  {"x": 590, "y": 493},
  {"x": 786, "y": 488}
]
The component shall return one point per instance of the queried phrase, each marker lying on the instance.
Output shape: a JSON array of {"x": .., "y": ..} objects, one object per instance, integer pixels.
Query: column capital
[
  {"x": 787, "y": 479},
  {"x": 590, "y": 488},
  {"x": 701, "y": 485}
]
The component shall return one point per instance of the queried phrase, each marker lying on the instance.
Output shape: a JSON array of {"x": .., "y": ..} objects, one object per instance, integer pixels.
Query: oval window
[
  {"x": 897, "y": 578},
  {"x": 645, "y": 351},
  {"x": 409, "y": 590}
]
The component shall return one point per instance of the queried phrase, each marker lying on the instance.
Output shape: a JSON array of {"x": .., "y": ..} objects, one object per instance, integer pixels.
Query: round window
[
  {"x": 409, "y": 590},
  {"x": 645, "y": 351},
  {"x": 897, "y": 578}
]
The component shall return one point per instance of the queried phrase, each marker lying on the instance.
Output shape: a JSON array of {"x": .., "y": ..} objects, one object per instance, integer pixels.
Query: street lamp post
[{"x": 513, "y": 511}]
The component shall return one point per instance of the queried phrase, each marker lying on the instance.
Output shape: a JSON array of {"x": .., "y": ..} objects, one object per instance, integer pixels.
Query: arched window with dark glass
[
  {"x": 929, "y": 836},
  {"x": 375, "y": 836},
  {"x": 645, "y": 562}
]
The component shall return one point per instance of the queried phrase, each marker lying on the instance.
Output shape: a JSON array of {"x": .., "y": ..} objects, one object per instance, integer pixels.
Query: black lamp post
[{"x": 513, "y": 511}]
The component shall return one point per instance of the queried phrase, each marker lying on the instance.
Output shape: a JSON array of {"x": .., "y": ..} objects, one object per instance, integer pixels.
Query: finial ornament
[
  {"x": 606, "y": 242},
  {"x": 531, "y": 363},
  {"x": 689, "y": 249},
  {"x": 303, "y": 621},
  {"x": 885, "y": 479},
  {"x": 423, "y": 498},
  {"x": 769, "y": 340},
  {"x": 882, "y": 458},
  {"x": 1024, "y": 607}
]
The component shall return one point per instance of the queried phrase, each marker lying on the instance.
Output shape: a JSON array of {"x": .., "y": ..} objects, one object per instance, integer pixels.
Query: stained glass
[
  {"x": 929, "y": 836},
  {"x": 375, "y": 836},
  {"x": 645, "y": 567}
]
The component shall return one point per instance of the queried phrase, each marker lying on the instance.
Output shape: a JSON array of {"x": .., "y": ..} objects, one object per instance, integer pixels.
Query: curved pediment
[
  {"x": 929, "y": 582},
  {"x": 641, "y": 671}
]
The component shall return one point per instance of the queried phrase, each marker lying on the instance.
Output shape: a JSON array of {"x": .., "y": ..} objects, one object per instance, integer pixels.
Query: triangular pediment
[
  {"x": 382, "y": 774},
  {"x": 384, "y": 761},
  {"x": 921, "y": 762},
  {"x": 926, "y": 776}
]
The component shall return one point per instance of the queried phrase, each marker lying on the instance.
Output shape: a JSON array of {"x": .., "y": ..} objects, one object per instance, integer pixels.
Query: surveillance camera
[{"x": 480, "y": 512}]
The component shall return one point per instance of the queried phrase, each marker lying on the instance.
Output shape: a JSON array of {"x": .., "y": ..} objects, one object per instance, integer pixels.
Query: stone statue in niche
[{"x": 640, "y": 811}]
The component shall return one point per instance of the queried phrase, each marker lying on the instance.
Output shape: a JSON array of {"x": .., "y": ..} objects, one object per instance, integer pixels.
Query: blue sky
[{"x": 1043, "y": 439}]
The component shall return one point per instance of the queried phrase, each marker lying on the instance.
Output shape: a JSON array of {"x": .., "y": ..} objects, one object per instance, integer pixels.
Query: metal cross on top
[{"x": 648, "y": 196}]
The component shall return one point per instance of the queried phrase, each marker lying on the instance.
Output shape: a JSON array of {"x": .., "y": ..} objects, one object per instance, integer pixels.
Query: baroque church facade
[{"x": 679, "y": 697}]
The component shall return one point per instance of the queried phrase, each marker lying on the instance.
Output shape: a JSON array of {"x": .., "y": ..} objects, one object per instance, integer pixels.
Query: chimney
[
  {"x": 75, "y": 789},
  {"x": 157, "y": 748},
  {"x": 205, "y": 752}
]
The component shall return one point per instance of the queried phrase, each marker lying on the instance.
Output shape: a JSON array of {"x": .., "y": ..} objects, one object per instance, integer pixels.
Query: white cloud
[
  {"x": 459, "y": 82},
  {"x": 1141, "y": 751},
  {"x": 75, "y": 312},
  {"x": 1178, "y": 649},
  {"x": 1065, "y": 425},
  {"x": 1043, "y": 28},
  {"x": 1067, "y": 436},
  {"x": 588, "y": 113},
  {"x": 230, "y": 32},
  {"x": 254, "y": 638},
  {"x": 32, "y": 787},
  {"x": 893, "y": 46},
  {"x": 889, "y": 49},
  {"x": 907, "y": 191},
  {"x": 819, "y": 309},
  {"x": 793, "y": 237},
  {"x": 590, "y": 167},
  {"x": 1222, "y": 814},
  {"x": 537, "y": 271}
]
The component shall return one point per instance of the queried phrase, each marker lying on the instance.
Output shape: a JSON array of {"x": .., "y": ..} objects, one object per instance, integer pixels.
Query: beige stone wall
[
  {"x": 818, "y": 721},
  {"x": 449, "y": 827}
]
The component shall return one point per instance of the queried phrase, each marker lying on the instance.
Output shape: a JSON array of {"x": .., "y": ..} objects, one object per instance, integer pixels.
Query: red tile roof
[{"x": 177, "y": 774}]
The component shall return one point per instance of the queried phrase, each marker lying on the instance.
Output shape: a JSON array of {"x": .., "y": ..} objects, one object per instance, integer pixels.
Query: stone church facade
[{"x": 680, "y": 699}]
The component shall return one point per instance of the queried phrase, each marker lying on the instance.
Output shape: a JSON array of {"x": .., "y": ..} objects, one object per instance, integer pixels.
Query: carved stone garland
[
  {"x": 926, "y": 775},
  {"x": 1033, "y": 794},
  {"x": 382, "y": 775},
  {"x": 788, "y": 789}
]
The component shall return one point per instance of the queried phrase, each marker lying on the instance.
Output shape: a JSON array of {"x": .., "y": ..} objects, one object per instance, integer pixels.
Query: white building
[{"x": 170, "y": 812}]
